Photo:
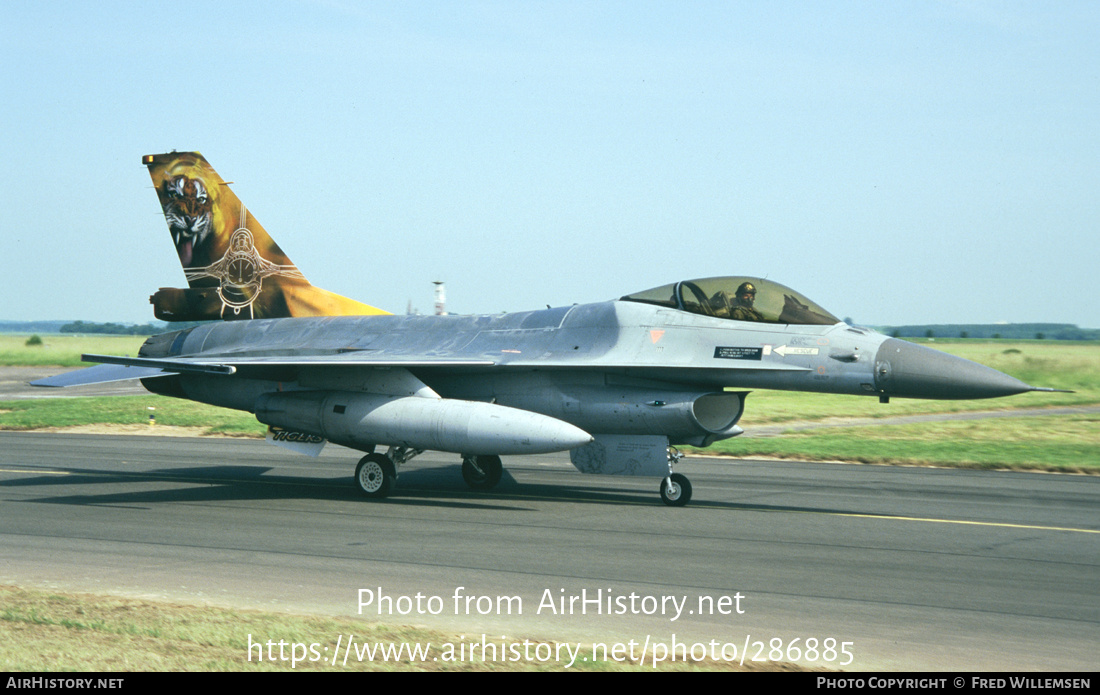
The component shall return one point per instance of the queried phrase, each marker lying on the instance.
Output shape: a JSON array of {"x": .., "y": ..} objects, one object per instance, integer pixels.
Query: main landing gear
[
  {"x": 676, "y": 488},
  {"x": 482, "y": 472},
  {"x": 376, "y": 473}
]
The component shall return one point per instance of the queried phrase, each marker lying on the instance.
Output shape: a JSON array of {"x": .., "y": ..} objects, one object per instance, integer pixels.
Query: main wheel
[
  {"x": 375, "y": 475},
  {"x": 676, "y": 490},
  {"x": 482, "y": 472}
]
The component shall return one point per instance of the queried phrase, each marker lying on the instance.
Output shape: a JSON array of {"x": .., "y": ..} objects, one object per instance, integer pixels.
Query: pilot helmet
[{"x": 746, "y": 287}]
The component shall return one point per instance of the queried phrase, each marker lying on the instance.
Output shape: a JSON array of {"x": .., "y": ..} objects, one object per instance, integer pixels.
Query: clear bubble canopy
[{"x": 738, "y": 299}]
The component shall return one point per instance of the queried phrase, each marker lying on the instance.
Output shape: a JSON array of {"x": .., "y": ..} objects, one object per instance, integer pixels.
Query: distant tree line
[
  {"x": 112, "y": 328},
  {"x": 30, "y": 326},
  {"x": 1006, "y": 331}
]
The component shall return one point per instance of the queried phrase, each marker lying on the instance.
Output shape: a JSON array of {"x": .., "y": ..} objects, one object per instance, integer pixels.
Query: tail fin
[{"x": 234, "y": 269}]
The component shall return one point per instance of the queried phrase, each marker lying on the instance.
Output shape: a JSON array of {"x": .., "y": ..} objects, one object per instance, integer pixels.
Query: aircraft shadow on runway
[{"x": 423, "y": 487}]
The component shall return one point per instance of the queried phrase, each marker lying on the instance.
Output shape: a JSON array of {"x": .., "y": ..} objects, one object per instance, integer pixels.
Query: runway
[{"x": 919, "y": 569}]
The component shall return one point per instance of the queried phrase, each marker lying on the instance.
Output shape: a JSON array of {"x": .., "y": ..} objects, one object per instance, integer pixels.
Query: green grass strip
[
  {"x": 1063, "y": 443},
  {"x": 53, "y": 632},
  {"x": 41, "y": 413}
]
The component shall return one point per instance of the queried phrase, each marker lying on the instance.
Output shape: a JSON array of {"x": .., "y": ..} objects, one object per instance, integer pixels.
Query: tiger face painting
[{"x": 189, "y": 212}]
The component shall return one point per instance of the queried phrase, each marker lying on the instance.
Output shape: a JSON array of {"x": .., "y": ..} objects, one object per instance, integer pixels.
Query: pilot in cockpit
[
  {"x": 741, "y": 308},
  {"x": 737, "y": 305}
]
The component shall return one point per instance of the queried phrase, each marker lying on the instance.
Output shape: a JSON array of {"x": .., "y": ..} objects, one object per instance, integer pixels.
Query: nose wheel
[{"x": 676, "y": 490}]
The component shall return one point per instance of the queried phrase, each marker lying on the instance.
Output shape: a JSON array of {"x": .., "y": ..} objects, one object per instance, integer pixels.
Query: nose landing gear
[{"x": 675, "y": 488}]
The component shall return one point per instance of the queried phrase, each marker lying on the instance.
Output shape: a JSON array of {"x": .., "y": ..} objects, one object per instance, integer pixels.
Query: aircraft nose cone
[{"x": 909, "y": 370}]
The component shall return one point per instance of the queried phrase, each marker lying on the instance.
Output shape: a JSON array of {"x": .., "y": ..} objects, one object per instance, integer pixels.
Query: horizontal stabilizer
[{"x": 100, "y": 374}]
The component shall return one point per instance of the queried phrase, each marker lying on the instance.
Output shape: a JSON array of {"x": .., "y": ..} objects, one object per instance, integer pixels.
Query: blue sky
[{"x": 895, "y": 162}]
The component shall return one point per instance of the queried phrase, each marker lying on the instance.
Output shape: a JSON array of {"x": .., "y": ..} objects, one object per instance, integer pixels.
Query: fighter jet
[{"x": 619, "y": 384}]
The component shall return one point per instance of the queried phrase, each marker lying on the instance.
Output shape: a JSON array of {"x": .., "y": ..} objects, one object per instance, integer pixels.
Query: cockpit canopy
[{"x": 738, "y": 299}]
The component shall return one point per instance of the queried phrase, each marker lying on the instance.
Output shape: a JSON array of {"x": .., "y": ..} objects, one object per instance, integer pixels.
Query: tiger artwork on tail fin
[{"x": 233, "y": 268}]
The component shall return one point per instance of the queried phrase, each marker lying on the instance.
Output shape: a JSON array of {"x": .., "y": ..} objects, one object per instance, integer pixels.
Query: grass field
[
  {"x": 43, "y": 413},
  {"x": 1054, "y": 443},
  {"x": 50, "y": 632},
  {"x": 63, "y": 350}
]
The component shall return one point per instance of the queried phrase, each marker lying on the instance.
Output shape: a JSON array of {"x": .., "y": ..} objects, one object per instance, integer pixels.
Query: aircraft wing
[
  {"x": 115, "y": 368},
  {"x": 227, "y": 364},
  {"x": 112, "y": 368}
]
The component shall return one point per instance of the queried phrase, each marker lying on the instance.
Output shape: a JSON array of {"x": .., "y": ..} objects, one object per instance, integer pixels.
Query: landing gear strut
[
  {"x": 482, "y": 472},
  {"x": 676, "y": 488}
]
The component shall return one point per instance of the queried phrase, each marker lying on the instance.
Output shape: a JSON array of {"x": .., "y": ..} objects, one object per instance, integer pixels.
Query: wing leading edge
[{"x": 114, "y": 368}]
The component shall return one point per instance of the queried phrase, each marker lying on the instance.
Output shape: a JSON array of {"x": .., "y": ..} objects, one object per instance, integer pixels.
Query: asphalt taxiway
[{"x": 917, "y": 568}]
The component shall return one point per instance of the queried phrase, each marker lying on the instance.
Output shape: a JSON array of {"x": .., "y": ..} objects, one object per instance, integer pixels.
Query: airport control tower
[{"x": 440, "y": 298}]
